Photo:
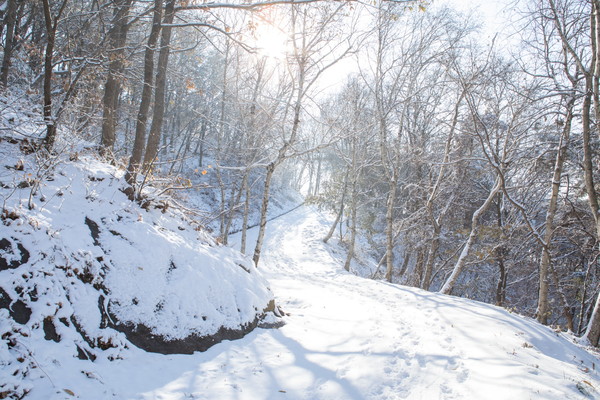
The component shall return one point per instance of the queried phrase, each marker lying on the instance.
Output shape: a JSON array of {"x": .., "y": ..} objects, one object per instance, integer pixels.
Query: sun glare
[{"x": 270, "y": 39}]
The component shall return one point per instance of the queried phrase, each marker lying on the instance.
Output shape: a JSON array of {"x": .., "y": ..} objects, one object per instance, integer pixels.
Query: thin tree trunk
[
  {"x": 543, "y": 307},
  {"x": 431, "y": 255},
  {"x": 142, "y": 118},
  {"x": 419, "y": 264},
  {"x": 389, "y": 230},
  {"x": 161, "y": 83},
  {"x": 353, "y": 206},
  {"x": 318, "y": 177},
  {"x": 281, "y": 156},
  {"x": 51, "y": 26},
  {"x": 462, "y": 259},
  {"x": 339, "y": 214},
  {"x": 263, "y": 213},
  {"x": 563, "y": 299},
  {"x": 352, "y": 243},
  {"x": 501, "y": 253},
  {"x": 200, "y": 147},
  {"x": 592, "y": 333},
  {"x": 501, "y": 287},
  {"x": 246, "y": 212},
  {"x": 10, "y": 18},
  {"x": 232, "y": 207},
  {"x": 582, "y": 308},
  {"x": 435, "y": 240},
  {"x": 117, "y": 38}
]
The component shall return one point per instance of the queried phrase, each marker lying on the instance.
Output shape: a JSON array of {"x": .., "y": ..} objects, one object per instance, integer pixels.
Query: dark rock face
[
  {"x": 7, "y": 247},
  {"x": 18, "y": 310},
  {"x": 94, "y": 230},
  {"x": 50, "y": 330},
  {"x": 142, "y": 337}
]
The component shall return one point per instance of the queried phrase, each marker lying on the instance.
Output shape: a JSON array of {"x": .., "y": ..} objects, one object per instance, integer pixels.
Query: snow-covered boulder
[{"x": 84, "y": 263}]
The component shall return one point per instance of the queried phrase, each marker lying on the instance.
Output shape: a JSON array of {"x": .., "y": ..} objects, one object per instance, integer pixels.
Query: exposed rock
[
  {"x": 6, "y": 262},
  {"x": 94, "y": 230},
  {"x": 50, "y": 330},
  {"x": 18, "y": 310},
  {"x": 142, "y": 337}
]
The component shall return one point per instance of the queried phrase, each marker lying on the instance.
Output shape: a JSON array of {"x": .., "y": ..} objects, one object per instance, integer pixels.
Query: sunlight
[{"x": 271, "y": 40}]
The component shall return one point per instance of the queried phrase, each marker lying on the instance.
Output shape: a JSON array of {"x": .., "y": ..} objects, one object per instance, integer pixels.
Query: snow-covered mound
[{"x": 82, "y": 265}]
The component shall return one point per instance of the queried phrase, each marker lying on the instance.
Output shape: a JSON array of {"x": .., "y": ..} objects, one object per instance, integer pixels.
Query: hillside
[
  {"x": 86, "y": 274},
  {"x": 344, "y": 337}
]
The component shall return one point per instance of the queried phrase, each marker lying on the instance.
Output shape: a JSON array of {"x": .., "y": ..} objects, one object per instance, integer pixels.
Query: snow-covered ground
[{"x": 347, "y": 337}]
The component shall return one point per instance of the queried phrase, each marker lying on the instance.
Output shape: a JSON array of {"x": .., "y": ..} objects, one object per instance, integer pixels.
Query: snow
[
  {"x": 90, "y": 249},
  {"x": 160, "y": 271},
  {"x": 345, "y": 337}
]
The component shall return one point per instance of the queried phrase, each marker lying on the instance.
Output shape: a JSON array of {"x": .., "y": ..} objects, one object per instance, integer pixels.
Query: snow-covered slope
[
  {"x": 345, "y": 338},
  {"x": 84, "y": 272},
  {"x": 348, "y": 337}
]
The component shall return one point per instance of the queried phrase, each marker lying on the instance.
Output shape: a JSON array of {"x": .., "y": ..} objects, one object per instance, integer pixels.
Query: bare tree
[
  {"x": 10, "y": 18},
  {"x": 51, "y": 22},
  {"x": 313, "y": 52},
  {"x": 117, "y": 39}
]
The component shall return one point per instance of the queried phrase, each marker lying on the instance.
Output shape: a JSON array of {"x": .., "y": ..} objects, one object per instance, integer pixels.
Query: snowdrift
[{"x": 83, "y": 266}]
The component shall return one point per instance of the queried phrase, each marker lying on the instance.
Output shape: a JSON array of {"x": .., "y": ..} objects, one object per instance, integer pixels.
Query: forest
[{"x": 466, "y": 165}]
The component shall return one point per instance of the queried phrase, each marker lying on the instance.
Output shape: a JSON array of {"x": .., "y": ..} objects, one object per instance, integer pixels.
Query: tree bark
[
  {"x": 51, "y": 24},
  {"x": 246, "y": 188},
  {"x": 161, "y": 82},
  {"x": 117, "y": 38},
  {"x": 475, "y": 221},
  {"x": 543, "y": 307},
  {"x": 592, "y": 333},
  {"x": 142, "y": 118},
  {"x": 339, "y": 214},
  {"x": 10, "y": 18},
  {"x": 389, "y": 223},
  {"x": 263, "y": 213},
  {"x": 436, "y": 223},
  {"x": 353, "y": 206}
]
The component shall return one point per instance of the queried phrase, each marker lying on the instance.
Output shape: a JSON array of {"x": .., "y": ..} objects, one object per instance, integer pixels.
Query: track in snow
[{"x": 352, "y": 338}]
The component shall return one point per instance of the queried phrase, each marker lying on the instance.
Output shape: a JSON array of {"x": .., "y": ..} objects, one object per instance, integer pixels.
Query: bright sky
[{"x": 495, "y": 14}]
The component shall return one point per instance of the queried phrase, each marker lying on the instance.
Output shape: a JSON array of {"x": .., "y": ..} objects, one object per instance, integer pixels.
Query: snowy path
[{"x": 352, "y": 338}]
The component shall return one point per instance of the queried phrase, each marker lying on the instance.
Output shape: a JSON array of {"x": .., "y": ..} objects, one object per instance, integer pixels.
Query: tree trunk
[
  {"x": 418, "y": 271},
  {"x": 142, "y": 118},
  {"x": 51, "y": 26},
  {"x": 462, "y": 259},
  {"x": 263, "y": 213},
  {"x": 563, "y": 299},
  {"x": 436, "y": 223},
  {"x": 232, "y": 207},
  {"x": 339, "y": 214},
  {"x": 317, "y": 188},
  {"x": 543, "y": 307},
  {"x": 353, "y": 206},
  {"x": 159, "y": 92},
  {"x": 10, "y": 18},
  {"x": 592, "y": 333},
  {"x": 501, "y": 287},
  {"x": 200, "y": 147},
  {"x": 117, "y": 38},
  {"x": 431, "y": 254},
  {"x": 389, "y": 230},
  {"x": 246, "y": 187}
]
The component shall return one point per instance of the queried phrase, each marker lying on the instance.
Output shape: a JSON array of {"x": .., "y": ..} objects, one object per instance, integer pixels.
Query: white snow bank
[{"x": 91, "y": 249}]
